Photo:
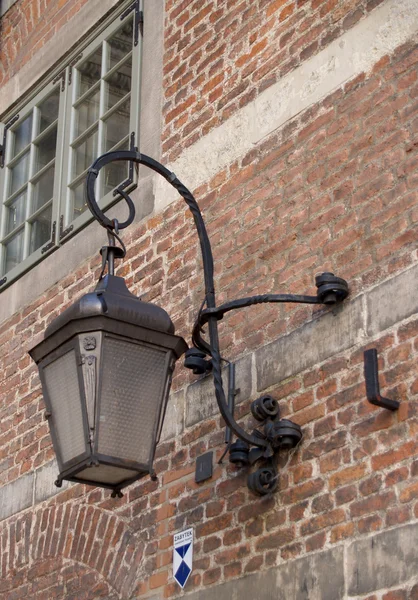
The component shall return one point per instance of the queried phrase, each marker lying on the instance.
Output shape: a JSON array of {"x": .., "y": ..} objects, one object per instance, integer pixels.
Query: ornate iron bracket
[{"x": 276, "y": 435}]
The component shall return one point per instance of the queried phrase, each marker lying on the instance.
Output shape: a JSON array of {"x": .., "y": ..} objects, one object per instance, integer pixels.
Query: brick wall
[
  {"x": 334, "y": 189},
  {"x": 26, "y": 27},
  {"x": 221, "y": 55}
]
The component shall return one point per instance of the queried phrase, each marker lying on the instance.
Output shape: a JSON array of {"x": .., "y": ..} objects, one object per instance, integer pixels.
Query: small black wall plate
[{"x": 204, "y": 467}]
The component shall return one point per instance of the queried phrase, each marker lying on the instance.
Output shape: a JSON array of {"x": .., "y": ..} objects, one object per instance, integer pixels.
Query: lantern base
[{"x": 102, "y": 474}]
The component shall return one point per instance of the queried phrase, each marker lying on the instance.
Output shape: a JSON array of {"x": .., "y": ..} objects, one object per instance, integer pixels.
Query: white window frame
[{"x": 62, "y": 225}]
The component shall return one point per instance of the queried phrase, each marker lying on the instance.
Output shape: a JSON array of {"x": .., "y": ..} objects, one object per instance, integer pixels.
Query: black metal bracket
[
  {"x": 51, "y": 244},
  {"x": 282, "y": 435},
  {"x": 71, "y": 65},
  {"x": 3, "y": 281},
  {"x": 3, "y": 147},
  {"x": 331, "y": 290},
  {"x": 61, "y": 76},
  {"x": 197, "y": 361},
  {"x": 63, "y": 232},
  {"x": 138, "y": 20},
  {"x": 232, "y": 392},
  {"x": 371, "y": 374},
  {"x": 264, "y": 480},
  {"x": 139, "y": 24}
]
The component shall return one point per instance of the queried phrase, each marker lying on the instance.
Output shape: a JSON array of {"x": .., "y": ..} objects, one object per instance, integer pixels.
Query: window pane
[
  {"x": 49, "y": 110},
  {"x": 22, "y": 135},
  {"x": 115, "y": 173},
  {"x": 85, "y": 153},
  {"x": 120, "y": 44},
  {"x": 16, "y": 212},
  {"x": 45, "y": 150},
  {"x": 118, "y": 84},
  {"x": 87, "y": 112},
  {"x": 41, "y": 229},
  {"x": 43, "y": 189},
  {"x": 19, "y": 173},
  {"x": 78, "y": 201},
  {"x": 90, "y": 71},
  {"x": 117, "y": 125},
  {"x": 63, "y": 390},
  {"x": 14, "y": 251}
]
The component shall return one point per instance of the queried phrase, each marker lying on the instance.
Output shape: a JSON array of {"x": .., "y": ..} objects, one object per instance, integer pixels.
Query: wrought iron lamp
[{"x": 106, "y": 363}]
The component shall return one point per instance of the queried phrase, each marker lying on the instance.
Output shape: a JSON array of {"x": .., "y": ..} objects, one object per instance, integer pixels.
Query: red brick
[
  {"x": 395, "y": 595},
  {"x": 323, "y": 521},
  {"x": 302, "y": 491},
  {"x": 276, "y": 540},
  {"x": 394, "y": 456},
  {"x": 372, "y": 504},
  {"x": 347, "y": 476}
]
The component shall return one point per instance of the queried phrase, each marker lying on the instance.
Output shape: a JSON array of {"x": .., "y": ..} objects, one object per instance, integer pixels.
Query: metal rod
[
  {"x": 111, "y": 254},
  {"x": 231, "y": 398}
]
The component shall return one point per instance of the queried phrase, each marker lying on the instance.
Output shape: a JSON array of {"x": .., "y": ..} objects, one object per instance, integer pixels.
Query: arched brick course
[{"x": 58, "y": 545}]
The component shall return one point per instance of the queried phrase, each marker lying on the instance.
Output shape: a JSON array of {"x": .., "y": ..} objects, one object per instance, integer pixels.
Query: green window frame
[{"x": 89, "y": 107}]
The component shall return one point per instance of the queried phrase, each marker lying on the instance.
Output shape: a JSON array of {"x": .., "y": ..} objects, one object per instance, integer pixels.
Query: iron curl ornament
[{"x": 204, "y": 356}]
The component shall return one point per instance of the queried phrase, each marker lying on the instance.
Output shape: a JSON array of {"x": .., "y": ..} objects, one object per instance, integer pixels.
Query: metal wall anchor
[{"x": 371, "y": 374}]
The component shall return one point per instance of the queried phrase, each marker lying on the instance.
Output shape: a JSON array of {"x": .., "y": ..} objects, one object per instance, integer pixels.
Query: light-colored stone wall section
[
  {"x": 383, "y": 562},
  {"x": 378, "y": 563}
]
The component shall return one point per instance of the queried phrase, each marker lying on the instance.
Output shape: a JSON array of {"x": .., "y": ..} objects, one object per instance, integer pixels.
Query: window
[{"x": 90, "y": 107}]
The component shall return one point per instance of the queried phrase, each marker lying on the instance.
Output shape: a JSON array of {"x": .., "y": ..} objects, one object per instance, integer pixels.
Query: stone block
[
  {"x": 5, "y": 5},
  {"x": 44, "y": 482},
  {"x": 174, "y": 416},
  {"x": 200, "y": 396},
  {"x": 392, "y": 301},
  {"x": 16, "y": 496},
  {"x": 311, "y": 344},
  {"x": 319, "y": 576},
  {"x": 315, "y": 577},
  {"x": 262, "y": 586},
  {"x": 383, "y": 561}
]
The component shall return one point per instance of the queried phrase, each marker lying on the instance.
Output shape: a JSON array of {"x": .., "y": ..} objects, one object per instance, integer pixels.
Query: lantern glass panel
[
  {"x": 63, "y": 393},
  {"x": 132, "y": 392},
  {"x": 106, "y": 474}
]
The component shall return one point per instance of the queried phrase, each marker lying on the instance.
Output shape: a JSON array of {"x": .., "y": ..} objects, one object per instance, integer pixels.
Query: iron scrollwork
[{"x": 204, "y": 356}]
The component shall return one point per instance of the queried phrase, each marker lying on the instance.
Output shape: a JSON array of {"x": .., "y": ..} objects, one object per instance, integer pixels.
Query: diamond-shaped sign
[{"x": 183, "y": 556}]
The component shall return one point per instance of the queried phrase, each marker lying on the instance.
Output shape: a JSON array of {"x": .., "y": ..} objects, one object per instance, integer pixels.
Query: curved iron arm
[
  {"x": 219, "y": 311},
  {"x": 212, "y": 313},
  {"x": 207, "y": 258}
]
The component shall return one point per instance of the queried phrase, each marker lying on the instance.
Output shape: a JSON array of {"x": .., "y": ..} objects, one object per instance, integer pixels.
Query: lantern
[{"x": 105, "y": 366}]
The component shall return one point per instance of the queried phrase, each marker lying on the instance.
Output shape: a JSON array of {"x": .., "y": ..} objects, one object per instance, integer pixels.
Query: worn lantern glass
[{"x": 105, "y": 366}]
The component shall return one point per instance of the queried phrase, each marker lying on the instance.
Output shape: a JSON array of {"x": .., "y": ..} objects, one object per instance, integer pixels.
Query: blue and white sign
[{"x": 183, "y": 556}]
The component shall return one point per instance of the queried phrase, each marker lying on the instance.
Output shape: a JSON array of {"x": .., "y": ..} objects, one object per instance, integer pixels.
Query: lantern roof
[
  {"x": 111, "y": 307},
  {"x": 112, "y": 299}
]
